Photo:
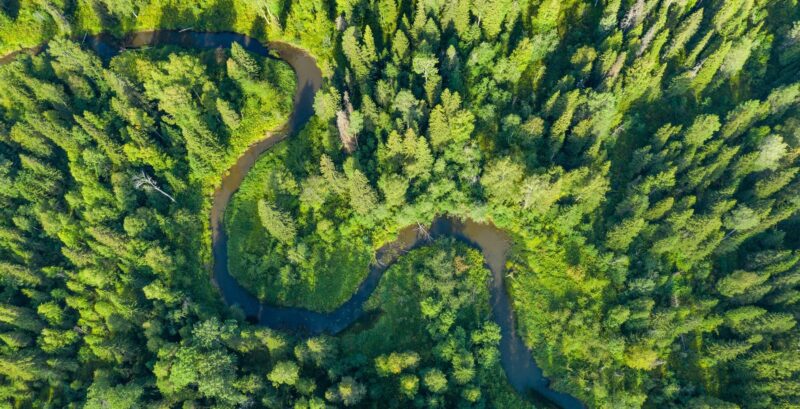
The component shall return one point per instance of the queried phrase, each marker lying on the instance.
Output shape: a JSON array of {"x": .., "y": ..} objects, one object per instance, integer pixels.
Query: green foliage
[
  {"x": 642, "y": 156},
  {"x": 434, "y": 300},
  {"x": 99, "y": 272},
  {"x": 277, "y": 223},
  {"x": 284, "y": 373},
  {"x": 326, "y": 258},
  {"x": 103, "y": 395}
]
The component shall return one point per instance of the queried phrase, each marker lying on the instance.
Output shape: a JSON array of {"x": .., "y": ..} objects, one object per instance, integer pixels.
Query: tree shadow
[
  {"x": 11, "y": 8},
  {"x": 283, "y": 15},
  {"x": 258, "y": 29},
  {"x": 107, "y": 20},
  {"x": 221, "y": 15}
]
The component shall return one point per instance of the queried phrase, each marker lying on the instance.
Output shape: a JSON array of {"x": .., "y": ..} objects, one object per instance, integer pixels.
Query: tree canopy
[{"x": 641, "y": 155}]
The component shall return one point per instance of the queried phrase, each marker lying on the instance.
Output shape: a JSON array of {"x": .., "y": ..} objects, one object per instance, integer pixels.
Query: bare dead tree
[
  {"x": 341, "y": 23},
  {"x": 347, "y": 104},
  {"x": 423, "y": 231},
  {"x": 617, "y": 66},
  {"x": 144, "y": 181},
  {"x": 343, "y": 124},
  {"x": 634, "y": 15},
  {"x": 266, "y": 13},
  {"x": 349, "y": 141},
  {"x": 646, "y": 39},
  {"x": 57, "y": 15}
]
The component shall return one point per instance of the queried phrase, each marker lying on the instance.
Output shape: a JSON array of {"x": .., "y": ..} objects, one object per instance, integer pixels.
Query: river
[{"x": 516, "y": 359}]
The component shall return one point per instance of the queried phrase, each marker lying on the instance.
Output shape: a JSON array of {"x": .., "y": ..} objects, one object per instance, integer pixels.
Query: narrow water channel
[{"x": 521, "y": 370}]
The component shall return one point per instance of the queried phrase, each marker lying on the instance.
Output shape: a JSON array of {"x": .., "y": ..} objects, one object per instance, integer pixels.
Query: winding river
[{"x": 516, "y": 359}]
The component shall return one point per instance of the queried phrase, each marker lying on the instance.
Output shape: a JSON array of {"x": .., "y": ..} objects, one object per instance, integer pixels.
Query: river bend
[{"x": 516, "y": 358}]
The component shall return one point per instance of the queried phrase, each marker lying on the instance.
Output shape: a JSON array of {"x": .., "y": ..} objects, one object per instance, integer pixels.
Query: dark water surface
[{"x": 521, "y": 370}]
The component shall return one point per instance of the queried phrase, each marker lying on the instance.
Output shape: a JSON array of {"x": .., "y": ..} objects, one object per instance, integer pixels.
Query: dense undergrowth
[{"x": 642, "y": 154}]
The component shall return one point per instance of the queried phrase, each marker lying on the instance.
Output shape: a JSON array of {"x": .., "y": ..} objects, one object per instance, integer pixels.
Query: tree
[
  {"x": 742, "y": 218},
  {"x": 727, "y": 351},
  {"x": 419, "y": 162},
  {"x": 435, "y": 380},
  {"x": 621, "y": 235},
  {"x": 791, "y": 44},
  {"x": 54, "y": 340},
  {"x": 501, "y": 181},
  {"x": 103, "y": 395},
  {"x": 348, "y": 391},
  {"x": 773, "y": 183},
  {"x": 213, "y": 371},
  {"x": 125, "y": 8},
  {"x": 409, "y": 384},
  {"x": 471, "y": 394},
  {"x": 326, "y": 104},
  {"x": 685, "y": 31},
  {"x": 463, "y": 368},
  {"x": 336, "y": 181},
  {"x": 267, "y": 9},
  {"x": 457, "y": 12},
  {"x": 284, "y": 373},
  {"x": 56, "y": 14},
  {"x": 354, "y": 53},
  {"x": 315, "y": 191},
  {"x": 279, "y": 224},
  {"x": 407, "y": 105},
  {"x": 362, "y": 196},
  {"x": 400, "y": 46},
  {"x": 347, "y": 136},
  {"x": 19, "y": 317},
  {"x": 395, "y": 363},
  {"x": 701, "y": 129},
  {"x": 449, "y": 124},
  {"x": 19, "y": 275},
  {"x": 394, "y": 188},
  {"x": 319, "y": 350},
  {"x": 308, "y": 23},
  {"x": 388, "y": 13},
  {"x": 540, "y": 192},
  {"x": 228, "y": 114},
  {"x": 491, "y": 15},
  {"x": 738, "y": 282},
  {"x": 640, "y": 357},
  {"x": 737, "y": 56},
  {"x": 709, "y": 402},
  {"x": 771, "y": 151},
  {"x": 425, "y": 65},
  {"x": 568, "y": 104},
  {"x": 741, "y": 117}
]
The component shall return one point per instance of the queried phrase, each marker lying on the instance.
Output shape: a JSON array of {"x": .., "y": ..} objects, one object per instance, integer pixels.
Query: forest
[{"x": 640, "y": 158}]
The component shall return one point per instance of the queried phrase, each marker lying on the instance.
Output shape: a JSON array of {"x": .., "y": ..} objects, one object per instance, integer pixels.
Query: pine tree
[
  {"x": 501, "y": 181},
  {"x": 362, "y": 196},
  {"x": 450, "y": 126},
  {"x": 279, "y": 224}
]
